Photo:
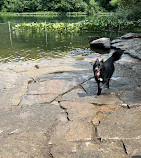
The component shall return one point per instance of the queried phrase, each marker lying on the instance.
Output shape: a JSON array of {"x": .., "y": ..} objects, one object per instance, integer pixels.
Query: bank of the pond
[
  {"x": 99, "y": 24},
  {"x": 49, "y": 107},
  {"x": 47, "y": 13},
  {"x": 52, "y": 13}
]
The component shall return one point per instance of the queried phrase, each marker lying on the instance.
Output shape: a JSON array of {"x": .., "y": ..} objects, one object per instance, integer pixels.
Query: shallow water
[{"x": 17, "y": 46}]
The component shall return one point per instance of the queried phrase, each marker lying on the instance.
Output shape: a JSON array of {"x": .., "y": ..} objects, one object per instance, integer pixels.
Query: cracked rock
[
  {"x": 121, "y": 125},
  {"x": 133, "y": 147},
  {"x": 89, "y": 150}
]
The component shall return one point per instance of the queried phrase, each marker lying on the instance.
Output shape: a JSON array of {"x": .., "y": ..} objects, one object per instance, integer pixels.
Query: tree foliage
[
  {"x": 93, "y": 7},
  {"x": 49, "y": 5},
  {"x": 125, "y": 3},
  {"x": 71, "y": 5},
  {"x": 21, "y": 5},
  {"x": 129, "y": 9},
  {"x": 105, "y": 4},
  {"x": 42, "y": 5}
]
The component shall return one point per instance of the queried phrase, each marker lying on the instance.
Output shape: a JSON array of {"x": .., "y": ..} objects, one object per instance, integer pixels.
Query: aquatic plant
[
  {"x": 99, "y": 24},
  {"x": 56, "y": 27}
]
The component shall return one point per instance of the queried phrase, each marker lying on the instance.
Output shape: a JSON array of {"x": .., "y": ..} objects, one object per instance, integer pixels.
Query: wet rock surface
[{"x": 52, "y": 110}]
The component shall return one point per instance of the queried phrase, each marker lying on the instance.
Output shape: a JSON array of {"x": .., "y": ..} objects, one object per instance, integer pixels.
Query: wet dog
[{"x": 103, "y": 71}]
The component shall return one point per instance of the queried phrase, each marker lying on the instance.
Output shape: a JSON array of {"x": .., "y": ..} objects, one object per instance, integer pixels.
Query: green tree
[
  {"x": 49, "y": 5},
  {"x": 105, "y": 4},
  {"x": 34, "y": 5},
  {"x": 13, "y": 6},
  {"x": 129, "y": 9},
  {"x": 125, "y": 3},
  {"x": 1, "y": 4},
  {"x": 114, "y": 3},
  {"x": 71, "y": 5},
  {"x": 93, "y": 7},
  {"x": 21, "y": 5}
]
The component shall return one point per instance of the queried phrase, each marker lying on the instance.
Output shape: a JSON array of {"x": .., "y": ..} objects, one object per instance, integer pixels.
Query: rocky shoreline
[{"x": 49, "y": 108}]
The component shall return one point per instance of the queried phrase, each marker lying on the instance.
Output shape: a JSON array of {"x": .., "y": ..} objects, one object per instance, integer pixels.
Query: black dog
[{"x": 103, "y": 71}]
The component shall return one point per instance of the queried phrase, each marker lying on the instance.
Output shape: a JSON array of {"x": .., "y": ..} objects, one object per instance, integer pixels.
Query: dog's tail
[{"x": 117, "y": 55}]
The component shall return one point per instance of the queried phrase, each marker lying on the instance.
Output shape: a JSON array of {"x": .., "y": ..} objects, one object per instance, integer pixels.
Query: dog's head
[{"x": 97, "y": 67}]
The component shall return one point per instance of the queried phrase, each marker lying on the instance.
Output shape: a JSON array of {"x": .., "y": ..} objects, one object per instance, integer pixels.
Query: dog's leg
[
  {"x": 104, "y": 85},
  {"x": 99, "y": 89},
  {"x": 108, "y": 83}
]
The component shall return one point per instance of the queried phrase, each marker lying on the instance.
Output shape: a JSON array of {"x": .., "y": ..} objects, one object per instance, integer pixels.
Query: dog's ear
[
  {"x": 102, "y": 61},
  {"x": 97, "y": 60}
]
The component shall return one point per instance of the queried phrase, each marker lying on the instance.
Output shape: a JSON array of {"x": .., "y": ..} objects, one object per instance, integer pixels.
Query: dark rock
[
  {"x": 36, "y": 66},
  {"x": 91, "y": 38},
  {"x": 101, "y": 43}
]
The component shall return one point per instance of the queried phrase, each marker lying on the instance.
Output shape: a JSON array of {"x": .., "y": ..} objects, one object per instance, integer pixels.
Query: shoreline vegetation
[
  {"x": 51, "y": 13},
  {"x": 113, "y": 15},
  {"x": 47, "y": 13},
  {"x": 127, "y": 9},
  {"x": 103, "y": 21}
]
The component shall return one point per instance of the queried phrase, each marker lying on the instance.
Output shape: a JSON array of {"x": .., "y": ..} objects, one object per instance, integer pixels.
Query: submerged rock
[{"x": 101, "y": 43}]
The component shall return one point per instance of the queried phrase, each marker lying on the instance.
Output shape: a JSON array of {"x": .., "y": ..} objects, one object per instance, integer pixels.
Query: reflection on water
[{"x": 16, "y": 46}]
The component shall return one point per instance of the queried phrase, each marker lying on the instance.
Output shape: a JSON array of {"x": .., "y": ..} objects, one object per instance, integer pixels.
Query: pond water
[{"x": 17, "y": 46}]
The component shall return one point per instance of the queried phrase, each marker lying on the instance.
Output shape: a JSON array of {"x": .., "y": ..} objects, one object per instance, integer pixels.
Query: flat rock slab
[
  {"x": 81, "y": 111},
  {"x": 29, "y": 119},
  {"x": 79, "y": 94},
  {"x": 89, "y": 150},
  {"x": 79, "y": 119},
  {"x": 121, "y": 125},
  {"x": 12, "y": 87},
  {"x": 132, "y": 98},
  {"x": 76, "y": 137},
  {"x": 25, "y": 131},
  {"x": 31, "y": 99},
  {"x": 27, "y": 144},
  {"x": 71, "y": 132},
  {"x": 47, "y": 88}
]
